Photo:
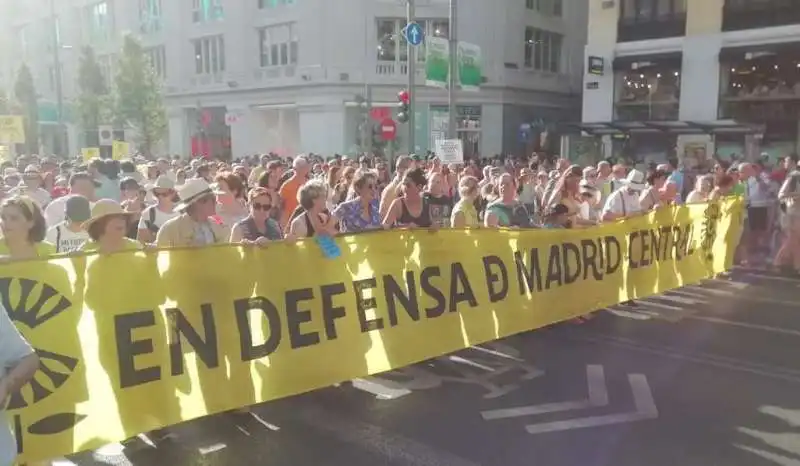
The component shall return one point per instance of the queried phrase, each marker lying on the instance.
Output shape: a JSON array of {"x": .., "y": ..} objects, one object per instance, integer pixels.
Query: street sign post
[
  {"x": 413, "y": 33},
  {"x": 388, "y": 129}
]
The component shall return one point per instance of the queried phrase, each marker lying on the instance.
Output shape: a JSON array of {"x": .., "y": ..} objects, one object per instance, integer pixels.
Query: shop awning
[
  {"x": 745, "y": 52},
  {"x": 624, "y": 128},
  {"x": 632, "y": 62}
]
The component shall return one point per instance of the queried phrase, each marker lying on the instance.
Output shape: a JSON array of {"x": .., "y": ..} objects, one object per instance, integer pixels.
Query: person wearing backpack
[
  {"x": 69, "y": 235},
  {"x": 155, "y": 216}
]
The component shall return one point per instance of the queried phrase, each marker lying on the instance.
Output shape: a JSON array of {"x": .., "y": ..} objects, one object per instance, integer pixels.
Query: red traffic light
[{"x": 403, "y": 96}]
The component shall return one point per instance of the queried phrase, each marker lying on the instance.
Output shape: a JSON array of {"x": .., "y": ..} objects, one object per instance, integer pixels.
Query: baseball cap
[{"x": 77, "y": 209}]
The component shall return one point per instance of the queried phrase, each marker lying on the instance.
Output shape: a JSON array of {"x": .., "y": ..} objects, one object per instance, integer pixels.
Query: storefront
[{"x": 469, "y": 126}]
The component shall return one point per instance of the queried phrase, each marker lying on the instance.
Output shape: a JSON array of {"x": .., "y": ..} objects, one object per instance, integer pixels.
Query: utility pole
[
  {"x": 452, "y": 79},
  {"x": 58, "y": 80},
  {"x": 412, "y": 75}
]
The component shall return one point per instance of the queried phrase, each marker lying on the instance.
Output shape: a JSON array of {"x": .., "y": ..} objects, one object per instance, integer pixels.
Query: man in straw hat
[{"x": 193, "y": 225}]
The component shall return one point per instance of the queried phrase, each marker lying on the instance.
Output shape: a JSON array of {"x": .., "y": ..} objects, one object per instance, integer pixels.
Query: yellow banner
[
  {"x": 90, "y": 153},
  {"x": 12, "y": 129},
  {"x": 119, "y": 150},
  {"x": 140, "y": 340}
]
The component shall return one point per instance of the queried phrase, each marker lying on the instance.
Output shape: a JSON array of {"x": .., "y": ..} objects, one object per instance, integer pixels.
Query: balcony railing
[
  {"x": 393, "y": 68},
  {"x": 760, "y": 109},
  {"x": 657, "y": 28},
  {"x": 752, "y": 15}
]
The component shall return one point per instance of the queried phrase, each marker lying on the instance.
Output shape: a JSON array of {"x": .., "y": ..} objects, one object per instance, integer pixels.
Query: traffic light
[{"x": 404, "y": 100}]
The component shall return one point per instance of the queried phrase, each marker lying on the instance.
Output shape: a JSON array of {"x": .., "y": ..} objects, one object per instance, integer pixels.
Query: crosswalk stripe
[
  {"x": 680, "y": 299},
  {"x": 629, "y": 314}
]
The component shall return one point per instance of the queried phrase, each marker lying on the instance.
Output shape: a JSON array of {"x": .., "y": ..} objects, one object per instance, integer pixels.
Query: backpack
[
  {"x": 58, "y": 238},
  {"x": 151, "y": 221}
]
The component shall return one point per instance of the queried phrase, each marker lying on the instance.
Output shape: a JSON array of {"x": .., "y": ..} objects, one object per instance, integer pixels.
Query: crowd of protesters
[{"x": 107, "y": 205}]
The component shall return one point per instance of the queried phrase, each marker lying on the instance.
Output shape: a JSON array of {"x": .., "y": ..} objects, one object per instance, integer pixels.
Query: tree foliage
[
  {"x": 95, "y": 103},
  {"x": 138, "y": 96},
  {"x": 28, "y": 99}
]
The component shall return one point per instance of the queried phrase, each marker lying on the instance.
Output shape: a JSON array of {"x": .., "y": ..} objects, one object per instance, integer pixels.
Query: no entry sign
[{"x": 388, "y": 129}]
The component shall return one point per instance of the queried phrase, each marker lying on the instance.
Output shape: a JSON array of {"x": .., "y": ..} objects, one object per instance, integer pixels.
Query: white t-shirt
[
  {"x": 54, "y": 213},
  {"x": 623, "y": 202},
  {"x": 159, "y": 219},
  {"x": 756, "y": 195},
  {"x": 39, "y": 195},
  {"x": 65, "y": 239}
]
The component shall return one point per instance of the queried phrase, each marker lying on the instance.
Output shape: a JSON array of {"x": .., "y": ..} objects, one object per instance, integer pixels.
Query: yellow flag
[
  {"x": 120, "y": 150},
  {"x": 90, "y": 153},
  {"x": 12, "y": 129}
]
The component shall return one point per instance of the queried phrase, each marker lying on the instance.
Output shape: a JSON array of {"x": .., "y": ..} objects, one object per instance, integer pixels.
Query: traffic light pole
[
  {"x": 452, "y": 80},
  {"x": 412, "y": 73}
]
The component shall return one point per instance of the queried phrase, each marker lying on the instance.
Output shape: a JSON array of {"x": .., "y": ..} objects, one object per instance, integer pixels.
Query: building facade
[
  {"x": 251, "y": 76},
  {"x": 706, "y": 63}
]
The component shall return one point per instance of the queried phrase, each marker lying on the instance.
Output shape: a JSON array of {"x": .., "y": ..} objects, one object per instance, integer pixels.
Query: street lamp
[{"x": 61, "y": 136}]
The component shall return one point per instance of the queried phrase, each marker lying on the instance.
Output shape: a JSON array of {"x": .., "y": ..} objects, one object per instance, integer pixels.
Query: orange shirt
[{"x": 288, "y": 193}]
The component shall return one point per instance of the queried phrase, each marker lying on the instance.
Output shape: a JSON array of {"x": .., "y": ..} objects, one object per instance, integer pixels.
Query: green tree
[
  {"x": 25, "y": 93},
  {"x": 5, "y": 105},
  {"x": 138, "y": 96},
  {"x": 95, "y": 103}
]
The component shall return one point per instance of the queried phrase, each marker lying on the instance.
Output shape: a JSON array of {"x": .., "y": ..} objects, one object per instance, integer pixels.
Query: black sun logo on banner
[
  {"x": 711, "y": 217},
  {"x": 35, "y": 305}
]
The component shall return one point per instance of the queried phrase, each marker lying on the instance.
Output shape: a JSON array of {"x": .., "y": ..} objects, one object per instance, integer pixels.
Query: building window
[
  {"x": 651, "y": 10},
  {"x": 106, "y": 64},
  {"x": 204, "y": 11},
  {"x": 392, "y": 46},
  {"x": 99, "y": 21},
  {"x": 264, "y": 4},
  {"x": 158, "y": 60},
  {"x": 209, "y": 55},
  {"x": 149, "y": 16},
  {"x": 648, "y": 91},
  {"x": 278, "y": 45},
  {"x": 24, "y": 44},
  {"x": 546, "y": 7},
  {"x": 543, "y": 50}
]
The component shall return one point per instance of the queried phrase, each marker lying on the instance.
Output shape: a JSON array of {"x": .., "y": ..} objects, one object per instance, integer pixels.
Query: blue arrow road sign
[{"x": 413, "y": 33}]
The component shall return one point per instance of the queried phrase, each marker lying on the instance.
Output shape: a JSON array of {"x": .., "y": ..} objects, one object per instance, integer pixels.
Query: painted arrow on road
[{"x": 597, "y": 397}]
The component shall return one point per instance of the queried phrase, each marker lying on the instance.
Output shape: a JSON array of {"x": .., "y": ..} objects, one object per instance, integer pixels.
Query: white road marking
[
  {"x": 681, "y": 299},
  {"x": 714, "y": 360},
  {"x": 733, "y": 323},
  {"x": 597, "y": 397},
  {"x": 743, "y": 296},
  {"x": 376, "y": 439},
  {"x": 642, "y": 398},
  {"x": 630, "y": 314},
  {"x": 382, "y": 389}
]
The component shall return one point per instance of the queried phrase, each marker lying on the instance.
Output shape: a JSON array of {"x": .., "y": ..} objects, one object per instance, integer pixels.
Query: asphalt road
[{"x": 704, "y": 376}]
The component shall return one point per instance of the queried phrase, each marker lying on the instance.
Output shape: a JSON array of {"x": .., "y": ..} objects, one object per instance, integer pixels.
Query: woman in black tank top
[
  {"x": 259, "y": 224},
  {"x": 401, "y": 212}
]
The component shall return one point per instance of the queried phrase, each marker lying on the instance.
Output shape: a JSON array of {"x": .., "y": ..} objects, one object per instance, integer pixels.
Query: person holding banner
[
  {"x": 506, "y": 211},
  {"x": 410, "y": 209},
  {"x": 18, "y": 364},
  {"x": 24, "y": 229},
  {"x": 108, "y": 228},
  {"x": 465, "y": 215},
  {"x": 312, "y": 198},
  {"x": 193, "y": 226},
  {"x": 258, "y": 227},
  {"x": 363, "y": 212}
]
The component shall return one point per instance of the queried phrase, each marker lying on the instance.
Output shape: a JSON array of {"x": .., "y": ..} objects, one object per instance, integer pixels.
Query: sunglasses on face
[
  {"x": 207, "y": 199},
  {"x": 162, "y": 193},
  {"x": 262, "y": 207}
]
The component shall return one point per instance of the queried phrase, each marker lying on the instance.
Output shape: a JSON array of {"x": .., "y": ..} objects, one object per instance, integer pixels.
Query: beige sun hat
[
  {"x": 193, "y": 190},
  {"x": 105, "y": 208}
]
